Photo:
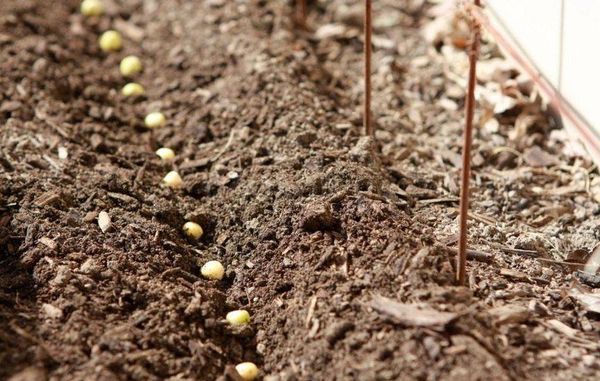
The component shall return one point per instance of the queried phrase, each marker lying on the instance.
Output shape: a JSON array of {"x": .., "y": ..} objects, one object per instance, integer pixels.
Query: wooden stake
[
  {"x": 367, "y": 48},
  {"x": 461, "y": 271}
]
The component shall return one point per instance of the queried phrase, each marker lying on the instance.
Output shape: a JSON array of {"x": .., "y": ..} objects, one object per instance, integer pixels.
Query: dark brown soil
[{"x": 312, "y": 221}]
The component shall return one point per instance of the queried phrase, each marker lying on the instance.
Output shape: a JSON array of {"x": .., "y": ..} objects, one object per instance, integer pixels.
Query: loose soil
[{"x": 313, "y": 222}]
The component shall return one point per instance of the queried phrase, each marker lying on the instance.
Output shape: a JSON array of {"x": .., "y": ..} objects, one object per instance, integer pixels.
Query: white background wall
[{"x": 562, "y": 39}]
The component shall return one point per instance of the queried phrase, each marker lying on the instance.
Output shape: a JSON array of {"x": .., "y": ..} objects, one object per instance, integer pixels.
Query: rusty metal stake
[
  {"x": 367, "y": 48},
  {"x": 301, "y": 13},
  {"x": 461, "y": 271}
]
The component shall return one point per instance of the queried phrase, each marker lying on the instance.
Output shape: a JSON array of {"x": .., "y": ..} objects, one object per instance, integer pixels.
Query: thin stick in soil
[
  {"x": 466, "y": 157},
  {"x": 367, "y": 48},
  {"x": 301, "y": 12}
]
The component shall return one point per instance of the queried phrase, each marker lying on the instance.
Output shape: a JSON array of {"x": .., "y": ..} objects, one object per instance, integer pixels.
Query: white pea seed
[
  {"x": 133, "y": 90},
  {"x": 130, "y": 65},
  {"x": 92, "y": 8},
  {"x": 213, "y": 270},
  {"x": 155, "y": 120},
  {"x": 247, "y": 370},
  {"x": 111, "y": 41},
  {"x": 173, "y": 180},
  {"x": 165, "y": 153},
  {"x": 238, "y": 317},
  {"x": 193, "y": 230}
]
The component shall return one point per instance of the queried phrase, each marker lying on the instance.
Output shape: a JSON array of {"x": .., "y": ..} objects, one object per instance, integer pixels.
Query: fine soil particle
[{"x": 313, "y": 223}]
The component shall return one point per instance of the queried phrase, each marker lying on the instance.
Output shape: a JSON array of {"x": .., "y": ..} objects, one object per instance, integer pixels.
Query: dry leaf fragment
[
  {"x": 593, "y": 262},
  {"x": 411, "y": 314},
  {"x": 328, "y": 31},
  {"x": 590, "y": 301},
  {"x": 49, "y": 243},
  {"x": 522, "y": 124},
  {"x": 130, "y": 30},
  {"x": 536, "y": 157},
  {"x": 495, "y": 69},
  {"x": 561, "y": 327},
  {"x": 514, "y": 274},
  {"x": 104, "y": 221}
]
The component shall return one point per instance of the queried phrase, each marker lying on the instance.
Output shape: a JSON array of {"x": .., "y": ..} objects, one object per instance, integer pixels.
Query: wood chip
[
  {"x": 561, "y": 327},
  {"x": 122, "y": 197},
  {"x": 476, "y": 255},
  {"x": 328, "y": 31},
  {"x": 130, "y": 30},
  {"x": 51, "y": 244},
  {"x": 411, "y": 314},
  {"x": 514, "y": 274},
  {"x": 509, "y": 314},
  {"x": 192, "y": 164},
  {"x": 420, "y": 193},
  {"x": 441, "y": 200},
  {"x": 536, "y": 157},
  {"x": 311, "y": 310},
  {"x": 47, "y": 198},
  {"x": 591, "y": 302}
]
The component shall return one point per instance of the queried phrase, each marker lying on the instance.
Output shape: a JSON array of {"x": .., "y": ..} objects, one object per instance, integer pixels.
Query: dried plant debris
[
  {"x": 412, "y": 314},
  {"x": 591, "y": 302}
]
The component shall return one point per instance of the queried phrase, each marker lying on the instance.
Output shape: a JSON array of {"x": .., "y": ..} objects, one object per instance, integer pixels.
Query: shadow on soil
[{"x": 17, "y": 305}]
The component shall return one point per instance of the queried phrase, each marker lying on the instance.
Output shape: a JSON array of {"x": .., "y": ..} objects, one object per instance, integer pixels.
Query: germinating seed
[
  {"x": 130, "y": 65},
  {"x": 238, "y": 317},
  {"x": 193, "y": 230},
  {"x": 213, "y": 270},
  {"x": 92, "y": 8},
  {"x": 173, "y": 180},
  {"x": 155, "y": 120},
  {"x": 165, "y": 153},
  {"x": 247, "y": 370},
  {"x": 133, "y": 90},
  {"x": 111, "y": 41}
]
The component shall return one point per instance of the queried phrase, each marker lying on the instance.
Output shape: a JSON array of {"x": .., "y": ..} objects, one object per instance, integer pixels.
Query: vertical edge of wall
[
  {"x": 581, "y": 60},
  {"x": 495, "y": 23}
]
